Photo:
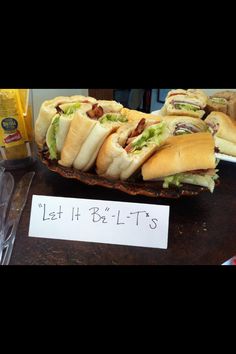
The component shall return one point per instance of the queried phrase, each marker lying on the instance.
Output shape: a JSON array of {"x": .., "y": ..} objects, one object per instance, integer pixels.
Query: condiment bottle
[{"x": 16, "y": 128}]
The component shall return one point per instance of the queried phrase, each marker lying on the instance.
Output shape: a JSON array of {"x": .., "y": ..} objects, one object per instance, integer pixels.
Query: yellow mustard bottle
[{"x": 15, "y": 129}]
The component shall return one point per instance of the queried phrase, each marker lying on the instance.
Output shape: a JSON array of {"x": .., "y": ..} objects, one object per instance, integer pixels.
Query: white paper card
[{"x": 120, "y": 223}]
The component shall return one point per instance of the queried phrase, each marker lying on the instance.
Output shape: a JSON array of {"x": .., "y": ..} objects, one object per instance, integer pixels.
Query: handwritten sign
[{"x": 120, "y": 223}]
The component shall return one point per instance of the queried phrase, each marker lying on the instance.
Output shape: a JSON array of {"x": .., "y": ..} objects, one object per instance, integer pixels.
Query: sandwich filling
[
  {"x": 204, "y": 178},
  {"x": 69, "y": 109},
  {"x": 61, "y": 123},
  {"x": 51, "y": 137},
  {"x": 186, "y": 128},
  {"x": 187, "y": 106},
  {"x": 213, "y": 127},
  {"x": 142, "y": 137},
  {"x": 219, "y": 100},
  {"x": 59, "y": 127},
  {"x": 112, "y": 118}
]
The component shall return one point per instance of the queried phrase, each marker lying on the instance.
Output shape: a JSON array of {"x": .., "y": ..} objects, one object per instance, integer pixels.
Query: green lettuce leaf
[
  {"x": 186, "y": 106},
  {"x": 199, "y": 180},
  {"x": 109, "y": 118},
  {"x": 153, "y": 134},
  {"x": 52, "y": 137},
  {"x": 219, "y": 100},
  {"x": 72, "y": 109}
]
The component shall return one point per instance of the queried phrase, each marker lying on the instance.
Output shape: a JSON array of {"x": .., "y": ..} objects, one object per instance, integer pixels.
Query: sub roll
[
  {"x": 135, "y": 115},
  {"x": 189, "y": 102},
  {"x": 224, "y": 131},
  {"x": 87, "y": 132},
  {"x": 218, "y": 104},
  {"x": 124, "y": 151},
  {"x": 182, "y": 159},
  {"x": 230, "y": 98},
  {"x": 48, "y": 111}
]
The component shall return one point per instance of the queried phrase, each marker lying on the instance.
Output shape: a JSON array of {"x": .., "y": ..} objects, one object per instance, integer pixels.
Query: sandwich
[
  {"x": 228, "y": 98},
  {"x": 218, "y": 104},
  {"x": 49, "y": 110},
  {"x": 87, "y": 132},
  {"x": 182, "y": 159},
  {"x": 189, "y": 102},
  {"x": 179, "y": 125},
  {"x": 224, "y": 131},
  {"x": 124, "y": 151},
  {"x": 60, "y": 125}
]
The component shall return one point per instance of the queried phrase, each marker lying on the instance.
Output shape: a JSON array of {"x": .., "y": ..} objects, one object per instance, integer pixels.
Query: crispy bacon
[
  {"x": 96, "y": 112},
  {"x": 59, "y": 110},
  {"x": 137, "y": 131},
  {"x": 128, "y": 148}
]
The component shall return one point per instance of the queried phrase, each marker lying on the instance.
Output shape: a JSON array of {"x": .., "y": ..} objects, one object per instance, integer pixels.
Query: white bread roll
[
  {"x": 80, "y": 128},
  {"x": 180, "y": 97},
  {"x": 192, "y": 95},
  {"x": 216, "y": 104},
  {"x": 225, "y": 146},
  {"x": 89, "y": 150},
  {"x": 91, "y": 139},
  {"x": 224, "y": 131},
  {"x": 110, "y": 106},
  {"x": 48, "y": 111},
  {"x": 91, "y": 146},
  {"x": 230, "y": 97},
  {"x": 222, "y": 126},
  {"x": 115, "y": 162},
  {"x": 181, "y": 154},
  {"x": 171, "y": 110},
  {"x": 200, "y": 95},
  {"x": 135, "y": 115}
]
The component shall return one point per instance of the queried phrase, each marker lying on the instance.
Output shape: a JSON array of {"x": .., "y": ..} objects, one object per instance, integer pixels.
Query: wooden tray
[{"x": 132, "y": 187}]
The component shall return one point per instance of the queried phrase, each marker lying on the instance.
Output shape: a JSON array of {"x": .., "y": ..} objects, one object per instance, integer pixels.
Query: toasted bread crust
[
  {"x": 180, "y": 154},
  {"x": 226, "y": 126},
  {"x": 79, "y": 130}
]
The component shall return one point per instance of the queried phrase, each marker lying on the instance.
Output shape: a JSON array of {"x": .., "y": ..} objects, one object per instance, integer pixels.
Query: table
[{"x": 202, "y": 228}]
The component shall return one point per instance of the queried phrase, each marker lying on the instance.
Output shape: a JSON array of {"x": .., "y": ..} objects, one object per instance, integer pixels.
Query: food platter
[
  {"x": 224, "y": 157},
  {"x": 133, "y": 186}
]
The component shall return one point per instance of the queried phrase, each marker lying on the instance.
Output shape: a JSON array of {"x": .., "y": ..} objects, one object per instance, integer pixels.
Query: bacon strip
[
  {"x": 59, "y": 110},
  {"x": 137, "y": 131},
  {"x": 96, "y": 112}
]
